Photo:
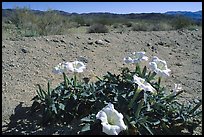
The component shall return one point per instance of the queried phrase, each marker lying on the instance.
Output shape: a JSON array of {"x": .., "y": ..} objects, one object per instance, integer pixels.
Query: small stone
[
  {"x": 24, "y": 50},
  {"x": 149, "y": 44},
  {"x": 160, "y": 43},
  {"x": 78, "y": 37},
  {"x": 106, "y": 40},
  {"x": 86, "y": 48},
  {"x": 100, "y": 42},
  {"x": 55, "y": 40},
  {"x": 83, "y": 59},
  {"x": 89, "y": 38},
  {"x": 62, "y": 41},
  {"x": 90, "y": 42}
]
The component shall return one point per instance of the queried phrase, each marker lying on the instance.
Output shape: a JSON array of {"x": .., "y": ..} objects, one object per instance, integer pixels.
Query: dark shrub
[{"x": 97, "y": 28}]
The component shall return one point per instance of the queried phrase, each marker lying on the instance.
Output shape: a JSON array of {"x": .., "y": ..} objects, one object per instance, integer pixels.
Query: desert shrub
[
  {"x": 128, "y": 24},
  {"x": 140, "y": 27},
  {"x": 181, "y": 22},
  {"x": 97, "y": 28},
  {"x": 144, "y": 104},
  {"x": 31, "y": 24},
  {"x": 161, "y": 27},
  {"x": 79, "y": 19},
  {"x": 115, "y": 25}
]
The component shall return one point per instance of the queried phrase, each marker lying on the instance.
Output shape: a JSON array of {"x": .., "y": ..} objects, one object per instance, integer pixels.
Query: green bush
[
  {"x": 145, "y": 113},
  {"x": 97, "y": 28}
]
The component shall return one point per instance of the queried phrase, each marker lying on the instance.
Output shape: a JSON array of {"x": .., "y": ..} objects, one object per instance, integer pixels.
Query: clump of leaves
[{"x": 144, "y": 113}]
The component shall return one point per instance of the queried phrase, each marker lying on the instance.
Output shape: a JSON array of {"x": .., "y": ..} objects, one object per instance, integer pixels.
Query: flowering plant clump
[{"x": 133, "y": 102}]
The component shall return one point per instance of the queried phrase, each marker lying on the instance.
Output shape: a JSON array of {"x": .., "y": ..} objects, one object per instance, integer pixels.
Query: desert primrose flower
[
  {"x": 60, "y": 68},
  {"x": 136, "y": 57},
  {"x": 111, "y": 120},
  {"x": 143, "y": 84},
  {"x": 75, "y": 66},
  {"x": 159, "y": 66}
]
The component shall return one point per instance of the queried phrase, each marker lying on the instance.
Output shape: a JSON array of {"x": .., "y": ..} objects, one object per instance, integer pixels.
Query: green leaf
[
  {"x": 48, "y": 88},
  {"x": 61, "y": 106},
  {"x": 152, "y": 76},
  {"x": 74, "y": 96},
  {"x": 87, "y": 119},
  {"x": 140, "y": 105},
  {"x": 41, "y": 92},
  {"x": 137, "y": 70},
  {"x": 147, "y": 128},
  {"x": 65, "y": 81},
  {"x": 144, "y": 72},
  {"x": 53, "y": 108},
  {"x": 86, "y": 128},
  {"x": 39, "y": 95},
  {"x": 196, "y": 107}
]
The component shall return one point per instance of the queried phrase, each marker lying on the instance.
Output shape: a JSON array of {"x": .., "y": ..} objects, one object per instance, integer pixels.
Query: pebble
[
  {"x": 99, "y": 42},
  {"x": 62, "y": 41},
  {"x": 55, "y": 40},
  {"x": 90, "y": 42},
  {"x": 149, "y": 44},
  {"x": 24, "y": 50},
  {"x": 83, "y": 59},
  {"x": 108, "y": 41}
]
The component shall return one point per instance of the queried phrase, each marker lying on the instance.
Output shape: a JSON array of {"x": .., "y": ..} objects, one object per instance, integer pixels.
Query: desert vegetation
[{"x": 28, "y": 23}]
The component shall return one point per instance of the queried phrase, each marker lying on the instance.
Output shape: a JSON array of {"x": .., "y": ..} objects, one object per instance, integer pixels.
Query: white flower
[
  {"x": 159, "y": 66},
  {"x": 111, "y": 120},
  {"x": 177, "y": 88},
  {"x": 142, "y": 84},
  {"x": 60, "y": 68},
  {"x": 136, "y": 57},
  {"x": 76, "y": 66}
]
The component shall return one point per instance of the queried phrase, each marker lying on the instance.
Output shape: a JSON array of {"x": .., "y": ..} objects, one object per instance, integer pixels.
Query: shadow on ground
[{"x": 23, "y": 122}]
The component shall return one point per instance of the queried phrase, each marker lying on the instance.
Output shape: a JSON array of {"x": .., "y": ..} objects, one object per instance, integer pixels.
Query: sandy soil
[{"x": 29, "y": 61}]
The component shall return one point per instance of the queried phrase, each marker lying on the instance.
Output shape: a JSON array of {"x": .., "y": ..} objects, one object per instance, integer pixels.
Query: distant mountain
[
  {"x": 193, "y": 15},
  {"x": 197, "y": 16}
]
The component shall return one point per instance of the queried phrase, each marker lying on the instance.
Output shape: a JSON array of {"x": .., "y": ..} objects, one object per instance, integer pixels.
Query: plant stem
[
  {"x": 75, "y": 79},
  {"x": 133, "y": 99}
]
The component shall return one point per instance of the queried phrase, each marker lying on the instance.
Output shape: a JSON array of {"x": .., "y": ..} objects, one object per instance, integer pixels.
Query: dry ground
[{"x": 29, "y": 61}]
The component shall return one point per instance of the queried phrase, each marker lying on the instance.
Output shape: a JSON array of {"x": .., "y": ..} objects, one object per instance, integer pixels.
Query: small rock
[
  {"x": 24, "y": 50},
  {"x": 72, "y": 44},
  {"x": 149, "y": 44},
  {"x": 78, "y": 37},
  {"x": 11, "y": 65},
  {"x": 55, "y": 40},
  {"x": 86, "y": 48},
  {"x": 90, "y": 42},
  {"x": 62, "y": 41},
  {"x": 160, "y": 43},
  {"x": 83, "y": 59},
  {"x": 89, "y": 38},
  {"x": 153, "y": 48},
  {"x": 106, "y": 40},
  {"x": 100, "y": 42}
]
